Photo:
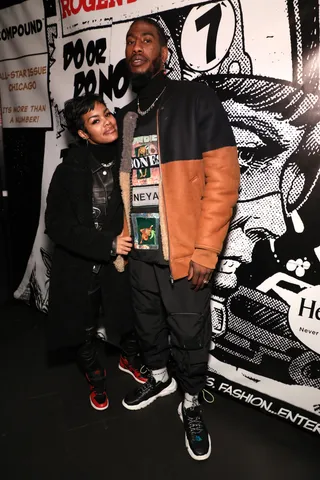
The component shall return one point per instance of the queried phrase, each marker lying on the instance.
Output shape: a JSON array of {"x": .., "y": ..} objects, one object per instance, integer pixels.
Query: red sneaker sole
[
  {"x": 98, "y": 408},
  {"x": 125, "y": 370}
]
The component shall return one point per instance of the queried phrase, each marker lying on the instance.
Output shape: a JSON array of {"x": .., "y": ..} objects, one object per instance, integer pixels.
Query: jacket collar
[
  {"x": 81, "y": 157},
  {"x": 93, "y": 163},
  {"x": 169, "y": 91}
]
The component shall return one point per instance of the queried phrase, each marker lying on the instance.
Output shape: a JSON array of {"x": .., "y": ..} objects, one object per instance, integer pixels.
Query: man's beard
[{"x": 141, "y": 80}]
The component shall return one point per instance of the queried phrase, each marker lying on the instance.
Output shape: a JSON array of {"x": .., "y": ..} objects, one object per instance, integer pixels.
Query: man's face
[{"x": 144, "y": 53}]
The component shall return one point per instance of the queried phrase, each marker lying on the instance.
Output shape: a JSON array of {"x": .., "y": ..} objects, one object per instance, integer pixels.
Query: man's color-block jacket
[{"x": 199, "y": 173}]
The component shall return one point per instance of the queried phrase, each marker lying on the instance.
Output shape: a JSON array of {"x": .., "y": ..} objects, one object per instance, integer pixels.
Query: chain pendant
[{"x": 144, "y": 112}]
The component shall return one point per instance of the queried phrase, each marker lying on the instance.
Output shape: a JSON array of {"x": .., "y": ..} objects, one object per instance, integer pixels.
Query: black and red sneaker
[
  {"x": 98, "y": 395},
  {"x": 134, "y": 367}
]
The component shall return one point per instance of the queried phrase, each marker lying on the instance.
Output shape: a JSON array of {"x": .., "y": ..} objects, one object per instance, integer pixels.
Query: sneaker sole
[
  {"x": 130, "y": 373},
  {"x": 96, "y": 408},
  {"x": 199, "y": 458},
  {"x": 167, "y": 391}
]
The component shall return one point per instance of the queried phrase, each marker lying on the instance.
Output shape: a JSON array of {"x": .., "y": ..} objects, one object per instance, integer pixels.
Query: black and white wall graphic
[{"x": 262, "y": 59}]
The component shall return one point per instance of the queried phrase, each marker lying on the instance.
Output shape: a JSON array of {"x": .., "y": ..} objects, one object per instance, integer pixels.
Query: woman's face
[{"x": 100, "y": 126}]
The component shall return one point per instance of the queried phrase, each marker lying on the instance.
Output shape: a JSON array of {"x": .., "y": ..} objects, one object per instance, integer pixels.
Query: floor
[{"x": 49, "y": 431}]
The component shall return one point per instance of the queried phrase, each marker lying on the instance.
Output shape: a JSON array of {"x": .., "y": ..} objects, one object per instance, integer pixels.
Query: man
[{"x": 179, "y": 177}]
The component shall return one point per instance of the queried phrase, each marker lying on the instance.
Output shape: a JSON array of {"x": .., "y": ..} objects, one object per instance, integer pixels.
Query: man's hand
[
  {"x": 199, "y": 275},
  {"x": 124, "y": 245}
]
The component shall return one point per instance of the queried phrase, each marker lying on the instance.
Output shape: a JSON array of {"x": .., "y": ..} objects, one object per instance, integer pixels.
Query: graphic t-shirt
[{"x": 145, "y": 179}]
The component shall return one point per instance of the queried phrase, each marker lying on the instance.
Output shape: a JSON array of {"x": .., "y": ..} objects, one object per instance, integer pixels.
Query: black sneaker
[
  {"x": 142, "y": 397},
  {"x": 197, "y": 438}
]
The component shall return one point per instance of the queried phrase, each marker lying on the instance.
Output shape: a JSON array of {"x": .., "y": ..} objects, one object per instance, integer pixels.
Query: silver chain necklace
[{"x": 144, "y": 112}]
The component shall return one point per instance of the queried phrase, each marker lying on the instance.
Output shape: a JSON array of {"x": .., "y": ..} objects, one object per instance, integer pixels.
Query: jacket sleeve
[
  {"x": 222, "y": 178},
  {"x": 65, "y": 229}
]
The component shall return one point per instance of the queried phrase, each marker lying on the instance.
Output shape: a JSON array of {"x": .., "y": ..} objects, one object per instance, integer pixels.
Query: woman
[{"x": 84, "y": 218}]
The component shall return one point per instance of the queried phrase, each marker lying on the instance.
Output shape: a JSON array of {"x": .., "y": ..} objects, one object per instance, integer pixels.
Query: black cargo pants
[{"x": 172, "y": 316}]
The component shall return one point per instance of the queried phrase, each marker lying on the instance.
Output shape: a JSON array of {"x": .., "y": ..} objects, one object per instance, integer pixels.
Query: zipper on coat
[{"x": 164, "y": 200}]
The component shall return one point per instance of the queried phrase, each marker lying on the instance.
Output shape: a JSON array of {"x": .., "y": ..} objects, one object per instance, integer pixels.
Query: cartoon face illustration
[{"x": 271, "y": 124}]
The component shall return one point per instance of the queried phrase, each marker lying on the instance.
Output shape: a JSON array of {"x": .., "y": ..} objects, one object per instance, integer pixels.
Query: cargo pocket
[
  {"x": 190, "y": 349},
  {"x": 187, "y": 330}
]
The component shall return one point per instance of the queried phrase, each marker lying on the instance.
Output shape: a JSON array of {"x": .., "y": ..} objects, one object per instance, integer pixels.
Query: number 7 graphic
[{"x": 213, "y": 19}]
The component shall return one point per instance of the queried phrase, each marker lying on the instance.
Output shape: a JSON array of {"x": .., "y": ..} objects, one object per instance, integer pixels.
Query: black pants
[
  {"x": 172, "y": 311},
  {"x": 109, "y": 304}
]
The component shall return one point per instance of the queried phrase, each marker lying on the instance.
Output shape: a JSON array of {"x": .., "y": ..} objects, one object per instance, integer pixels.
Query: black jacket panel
[{"x": 191, "y": 123}]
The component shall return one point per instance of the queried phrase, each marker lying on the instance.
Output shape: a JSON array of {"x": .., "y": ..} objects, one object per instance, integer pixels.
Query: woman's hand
[{"x": 124, "y": 245}]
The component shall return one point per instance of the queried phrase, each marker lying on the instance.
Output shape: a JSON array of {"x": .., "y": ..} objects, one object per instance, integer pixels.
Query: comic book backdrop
[{"x": 262, "y": 59}]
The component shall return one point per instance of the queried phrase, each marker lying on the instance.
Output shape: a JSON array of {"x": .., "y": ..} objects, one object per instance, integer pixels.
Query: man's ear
[{"x": 164, "y": 54}]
